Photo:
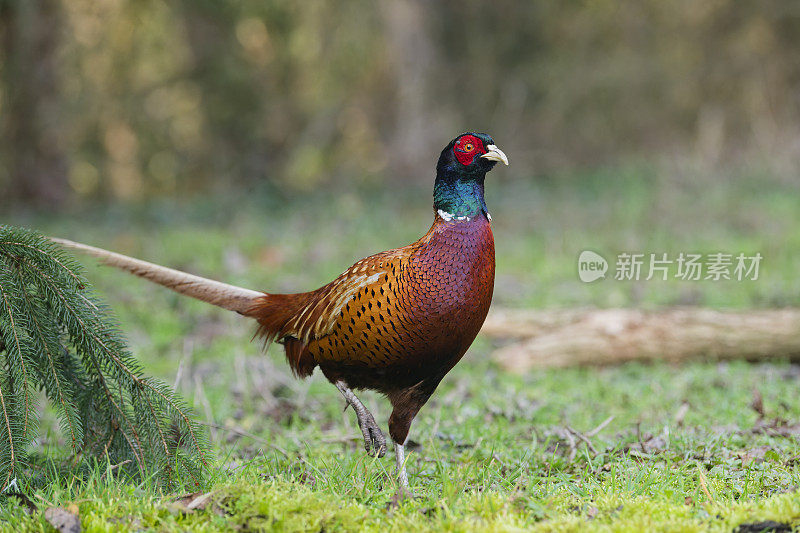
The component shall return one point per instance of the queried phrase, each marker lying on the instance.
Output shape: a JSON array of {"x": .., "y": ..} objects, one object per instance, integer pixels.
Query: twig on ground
[
  {"x": 573, "y": 450},
  {"x": 600, "y": 428},
  {"x": 583, "y": 438}
]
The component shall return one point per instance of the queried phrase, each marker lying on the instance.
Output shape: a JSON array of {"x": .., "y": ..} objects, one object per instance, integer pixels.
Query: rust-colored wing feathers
[
  {"x": 367, "y": 326},
  {"x": 299, "y": 320},
  {"x": 318, "y": 318}
]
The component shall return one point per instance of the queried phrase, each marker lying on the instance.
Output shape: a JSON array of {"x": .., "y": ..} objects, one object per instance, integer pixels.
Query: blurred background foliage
[{"x": 129, "y": 100}]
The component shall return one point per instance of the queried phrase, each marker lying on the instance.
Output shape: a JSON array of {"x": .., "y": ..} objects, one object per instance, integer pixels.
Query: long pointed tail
[{"x": 244, "y": 301}]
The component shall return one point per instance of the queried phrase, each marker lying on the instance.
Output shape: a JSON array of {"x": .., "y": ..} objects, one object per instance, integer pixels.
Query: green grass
[{"x": 684, "y": 450}]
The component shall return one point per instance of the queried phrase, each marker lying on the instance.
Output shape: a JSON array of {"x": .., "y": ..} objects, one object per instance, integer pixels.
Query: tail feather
[
  {"x": 230, "y": 297},
  {"x": 273, "y": 312}
]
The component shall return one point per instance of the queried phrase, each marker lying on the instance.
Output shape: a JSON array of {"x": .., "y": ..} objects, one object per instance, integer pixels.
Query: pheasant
[{"x": 395, "y": 322}]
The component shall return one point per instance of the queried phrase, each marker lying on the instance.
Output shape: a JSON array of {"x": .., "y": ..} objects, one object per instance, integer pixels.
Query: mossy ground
[{"x": 687, "y": 448}]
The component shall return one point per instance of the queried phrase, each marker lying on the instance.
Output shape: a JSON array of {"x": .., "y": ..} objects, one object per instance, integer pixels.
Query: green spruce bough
[{"x": 56, "y": 337}]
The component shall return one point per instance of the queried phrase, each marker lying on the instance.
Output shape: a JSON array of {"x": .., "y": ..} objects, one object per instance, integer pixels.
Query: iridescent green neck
[{"x": 459, "y": 195}]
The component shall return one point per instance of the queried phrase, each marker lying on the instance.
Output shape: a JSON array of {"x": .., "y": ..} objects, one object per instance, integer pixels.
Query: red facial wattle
[{"x": 466, "y": 148}]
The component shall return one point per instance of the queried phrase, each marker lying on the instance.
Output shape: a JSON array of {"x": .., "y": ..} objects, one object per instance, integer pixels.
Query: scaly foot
[
  {"x": 374, "y": 441},
  {"x": 400, "y": 462}
]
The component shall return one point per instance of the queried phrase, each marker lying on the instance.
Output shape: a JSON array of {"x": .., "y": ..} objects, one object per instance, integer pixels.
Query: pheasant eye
[{"x": 466, "y": 148}]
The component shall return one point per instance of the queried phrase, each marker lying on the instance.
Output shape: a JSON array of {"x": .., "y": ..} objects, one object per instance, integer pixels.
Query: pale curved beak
[{"x": 495, "y": 154}]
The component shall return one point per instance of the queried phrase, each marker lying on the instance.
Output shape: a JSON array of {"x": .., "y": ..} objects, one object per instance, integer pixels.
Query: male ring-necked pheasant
[{"x": 395, "y": 322}]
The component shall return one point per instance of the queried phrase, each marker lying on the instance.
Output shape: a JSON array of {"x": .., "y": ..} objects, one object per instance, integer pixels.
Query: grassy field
[{"x": 704, "y": 446}]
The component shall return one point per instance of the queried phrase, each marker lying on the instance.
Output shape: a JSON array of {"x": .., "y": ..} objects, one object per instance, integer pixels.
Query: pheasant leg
[
  {"x": 400, "y": 461},
  {"x": 374, "y": 441}
]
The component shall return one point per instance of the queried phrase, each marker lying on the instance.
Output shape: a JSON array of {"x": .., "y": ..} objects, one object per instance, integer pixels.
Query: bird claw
[{"x": 374, "y": 441}]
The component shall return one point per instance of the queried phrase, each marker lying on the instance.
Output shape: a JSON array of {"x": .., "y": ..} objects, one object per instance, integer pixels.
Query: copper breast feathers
[{"x": 415, "y": 306}]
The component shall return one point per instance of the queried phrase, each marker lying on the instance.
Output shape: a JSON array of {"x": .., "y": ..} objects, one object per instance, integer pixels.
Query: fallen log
[{"x": 563, "y": 338}]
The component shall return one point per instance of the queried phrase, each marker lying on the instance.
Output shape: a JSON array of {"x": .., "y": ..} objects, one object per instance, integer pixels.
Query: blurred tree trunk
[
  {"x": 413, "y": 58},
  {"x": 36, "y": 163},
  {"x": 230, "y": 101}
]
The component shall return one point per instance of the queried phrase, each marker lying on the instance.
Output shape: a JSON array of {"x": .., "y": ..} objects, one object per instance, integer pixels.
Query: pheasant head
[{"x": 462, "y": 167}]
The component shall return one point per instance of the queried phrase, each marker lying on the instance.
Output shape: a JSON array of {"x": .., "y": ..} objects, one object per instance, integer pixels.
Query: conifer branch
[
  {"x": 16, "y": 352},
  {"x": 46, "y": 342},
  {"x": 87, "y": 329},
  {"x": 9, "y": 464},
  {"x": 55, "y": 335}
]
